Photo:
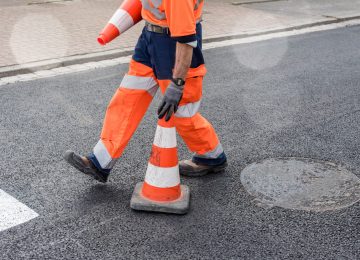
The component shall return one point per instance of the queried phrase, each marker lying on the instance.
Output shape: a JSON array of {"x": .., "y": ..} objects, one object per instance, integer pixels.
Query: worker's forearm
[{"x": 184, "y": 54}]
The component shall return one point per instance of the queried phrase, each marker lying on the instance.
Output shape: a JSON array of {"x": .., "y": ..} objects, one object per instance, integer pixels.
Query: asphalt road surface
[{"x": 296, "y": 96}]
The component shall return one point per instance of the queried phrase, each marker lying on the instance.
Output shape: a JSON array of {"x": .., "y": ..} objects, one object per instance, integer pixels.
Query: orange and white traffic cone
[
  {"x": 161, "y": 191},
  {"x": 123, "y": 19}
]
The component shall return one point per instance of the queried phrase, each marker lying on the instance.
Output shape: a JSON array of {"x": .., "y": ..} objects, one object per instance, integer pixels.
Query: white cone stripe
[
  {"x": 165, "y": 137},
  {"x": 188, "y": 110},
  {"x": 13, "y": 212},
  {"x": 103, "y": 156},
  {"x": 162, "y": 177},
  {"x": 122, "y": 20}
]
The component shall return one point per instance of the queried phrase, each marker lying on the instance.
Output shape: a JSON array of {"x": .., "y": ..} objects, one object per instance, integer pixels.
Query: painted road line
[
  {"x": 13, "y": 212},
  {"x": 270, "y": 36},
  {"x": 206, "y": 46}
]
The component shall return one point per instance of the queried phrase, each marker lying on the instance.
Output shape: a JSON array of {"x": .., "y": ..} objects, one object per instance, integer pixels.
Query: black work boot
[
  {"x": 85, "y": 166},
  {"x": 200, "y": 166}
]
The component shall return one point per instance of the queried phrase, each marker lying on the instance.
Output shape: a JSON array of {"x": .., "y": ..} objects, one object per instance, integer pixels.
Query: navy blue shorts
[{"x": 157, "y": 50}]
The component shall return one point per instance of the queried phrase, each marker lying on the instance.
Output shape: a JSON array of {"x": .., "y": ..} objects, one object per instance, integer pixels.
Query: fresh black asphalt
[{"x": 307, "y": 105}]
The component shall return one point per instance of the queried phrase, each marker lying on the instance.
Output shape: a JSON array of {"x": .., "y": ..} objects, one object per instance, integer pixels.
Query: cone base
[{"x": 179, "y": 206}]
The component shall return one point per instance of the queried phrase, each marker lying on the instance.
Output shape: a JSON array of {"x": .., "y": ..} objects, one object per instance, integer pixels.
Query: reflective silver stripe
[
  {"x": 156, "y": 12},
  {"x": 188, "y": 110},
  {"x": 136, "y": 82},
  {"x": 103, "y": 156},
  {"x": 212, "y": 154},
  {"x": 155, "y": 24},
  {"x": 156, "y": 3},
  {"x": 153, "y": 90}
]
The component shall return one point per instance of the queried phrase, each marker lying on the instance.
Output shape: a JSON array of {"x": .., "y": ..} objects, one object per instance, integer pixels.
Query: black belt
[{"x": 156, "y": 28}]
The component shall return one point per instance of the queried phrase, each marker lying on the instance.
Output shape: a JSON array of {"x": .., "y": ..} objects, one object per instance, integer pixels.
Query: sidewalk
[{"x": 39, "y": 30}]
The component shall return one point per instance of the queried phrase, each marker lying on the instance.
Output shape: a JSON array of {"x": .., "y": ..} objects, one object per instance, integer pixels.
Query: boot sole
[
  {"x": 218, "y": 169},
  {"x": 93, "y": 175}
]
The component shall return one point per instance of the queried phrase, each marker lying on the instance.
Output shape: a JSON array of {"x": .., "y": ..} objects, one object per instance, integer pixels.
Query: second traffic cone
[
  {"x": 161, "y": 191},
  {"x": 124, "y": 18}
]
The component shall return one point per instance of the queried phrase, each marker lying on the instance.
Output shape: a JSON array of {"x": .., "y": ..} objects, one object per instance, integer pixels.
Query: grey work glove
[{"x": 170, "y": 101}]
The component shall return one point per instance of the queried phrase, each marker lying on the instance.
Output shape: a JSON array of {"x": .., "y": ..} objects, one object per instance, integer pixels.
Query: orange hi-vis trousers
[{"x": 131, "y": 101}]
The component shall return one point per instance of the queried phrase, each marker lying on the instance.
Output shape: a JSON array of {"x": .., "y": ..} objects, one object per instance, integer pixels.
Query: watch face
[{"x": 179, "y": 81}]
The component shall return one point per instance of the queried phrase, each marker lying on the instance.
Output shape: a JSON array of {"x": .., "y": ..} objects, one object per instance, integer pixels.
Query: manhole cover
[{"x": 303, "y": 184}]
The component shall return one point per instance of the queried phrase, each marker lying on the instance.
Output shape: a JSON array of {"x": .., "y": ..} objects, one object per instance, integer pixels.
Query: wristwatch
[{"x": 178, "y": 82}]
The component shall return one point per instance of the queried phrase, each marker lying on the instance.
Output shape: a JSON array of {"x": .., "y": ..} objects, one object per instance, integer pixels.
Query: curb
[{"x": 14, "y": 70}]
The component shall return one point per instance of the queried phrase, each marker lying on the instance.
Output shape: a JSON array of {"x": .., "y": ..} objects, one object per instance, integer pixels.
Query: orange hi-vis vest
[{"x": 180, "y": 16}]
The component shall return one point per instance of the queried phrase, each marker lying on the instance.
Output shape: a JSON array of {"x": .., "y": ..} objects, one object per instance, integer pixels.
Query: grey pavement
[{"x": 296, "y": 96}]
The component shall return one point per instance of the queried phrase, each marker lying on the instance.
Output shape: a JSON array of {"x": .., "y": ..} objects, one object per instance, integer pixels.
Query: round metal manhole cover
[{"x": 303, "y": 184}]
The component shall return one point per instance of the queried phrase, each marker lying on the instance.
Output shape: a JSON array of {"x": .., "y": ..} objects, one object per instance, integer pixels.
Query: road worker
[{"x": 168, "y": 55}]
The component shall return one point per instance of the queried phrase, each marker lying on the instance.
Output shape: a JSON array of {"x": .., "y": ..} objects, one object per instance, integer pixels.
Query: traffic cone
[
  {"x": 161, "y": 191},
  {"x": 125, "y": 17}
]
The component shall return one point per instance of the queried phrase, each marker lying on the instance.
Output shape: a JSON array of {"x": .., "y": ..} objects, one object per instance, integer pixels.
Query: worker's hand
[{"x": 170, "y": 102}]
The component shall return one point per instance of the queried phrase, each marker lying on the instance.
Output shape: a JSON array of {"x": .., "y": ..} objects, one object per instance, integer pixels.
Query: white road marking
[
  {"x": 13, "y": 212},
  {"x": 206, "y": 46},
  {"x": 269, "y": 36}
]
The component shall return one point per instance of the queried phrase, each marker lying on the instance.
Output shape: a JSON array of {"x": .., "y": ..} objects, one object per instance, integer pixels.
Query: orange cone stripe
[
  {"x": 109, "y": 33},
  {"x": 162, "y": 179},
  {"x": 124, "y": 18},
  {"x": 163, "y": 157},
  {"x": 161, "y": 194},
  {"x": 133, "y": 8},
  {"x": 167, "y": 124}
]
